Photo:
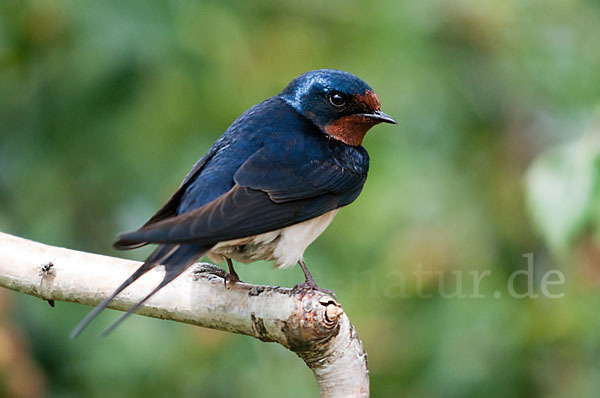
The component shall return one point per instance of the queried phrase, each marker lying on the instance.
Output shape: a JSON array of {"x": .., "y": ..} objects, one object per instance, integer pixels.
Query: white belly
[{"x": 286, "y": 246}]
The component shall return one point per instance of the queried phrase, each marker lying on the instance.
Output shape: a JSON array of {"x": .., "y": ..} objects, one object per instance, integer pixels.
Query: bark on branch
[{"x": 311, "y": 324}]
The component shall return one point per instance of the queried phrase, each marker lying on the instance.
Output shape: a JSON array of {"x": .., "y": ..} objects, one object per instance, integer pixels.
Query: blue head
[{"x": 339, "y": 103}]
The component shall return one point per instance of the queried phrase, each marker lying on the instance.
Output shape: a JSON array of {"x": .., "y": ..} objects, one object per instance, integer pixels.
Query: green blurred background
[{"x": 105, "y": 105}]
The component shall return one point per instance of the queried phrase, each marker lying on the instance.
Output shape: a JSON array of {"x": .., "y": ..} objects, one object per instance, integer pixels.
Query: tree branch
[{"x": 309, "y": 323}]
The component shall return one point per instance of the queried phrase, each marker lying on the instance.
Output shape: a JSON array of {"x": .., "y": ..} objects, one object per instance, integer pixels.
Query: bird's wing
[
  {"x": 285, "y": 179},
  {"x": 239, "y": 213},
  {"x": 267, "y": 196}
]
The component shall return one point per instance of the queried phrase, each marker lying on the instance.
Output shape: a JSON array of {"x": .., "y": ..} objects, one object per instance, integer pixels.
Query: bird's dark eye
[{"x": 336, "y": 99}]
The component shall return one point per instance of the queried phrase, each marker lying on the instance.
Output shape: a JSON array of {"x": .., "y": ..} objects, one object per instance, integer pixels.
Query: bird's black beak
[{"x": 380, "y": 117}]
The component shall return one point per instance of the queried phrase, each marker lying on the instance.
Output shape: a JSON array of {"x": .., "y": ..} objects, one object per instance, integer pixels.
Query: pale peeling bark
[{"x": 309, "y": 323}]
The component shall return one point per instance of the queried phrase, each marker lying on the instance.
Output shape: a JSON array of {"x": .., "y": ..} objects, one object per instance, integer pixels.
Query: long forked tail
[
  {"x": 176, "y": 259},
  {"x": 177, "y": 262}
]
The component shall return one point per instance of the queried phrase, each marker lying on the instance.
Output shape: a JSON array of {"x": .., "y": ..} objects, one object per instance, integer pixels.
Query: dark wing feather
[
  {"x": 239, "y": 213},
  {"x": 286, "y": 180}
]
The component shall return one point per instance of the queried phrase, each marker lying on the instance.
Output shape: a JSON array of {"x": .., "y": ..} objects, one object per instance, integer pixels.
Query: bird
[{"x": 268, "y": 187}]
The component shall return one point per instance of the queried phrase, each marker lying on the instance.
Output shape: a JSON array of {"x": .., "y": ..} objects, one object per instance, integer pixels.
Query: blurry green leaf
[{"x": 562, "y": 190}]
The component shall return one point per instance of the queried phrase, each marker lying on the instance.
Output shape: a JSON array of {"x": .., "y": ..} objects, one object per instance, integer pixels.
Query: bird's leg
[
  {"x": 309, "y": 280},
  {"x": 232, "y": 276},
  {"x": 309, "y": 283}
]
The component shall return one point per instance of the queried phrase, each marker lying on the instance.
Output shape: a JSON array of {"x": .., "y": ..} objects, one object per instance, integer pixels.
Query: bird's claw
[
  {"x": 307, "y": 286},
  {"x": 231, "y": 278}
]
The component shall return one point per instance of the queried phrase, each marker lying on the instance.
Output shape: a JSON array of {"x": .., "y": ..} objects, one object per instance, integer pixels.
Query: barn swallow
[{"x": 268, "y": 187}]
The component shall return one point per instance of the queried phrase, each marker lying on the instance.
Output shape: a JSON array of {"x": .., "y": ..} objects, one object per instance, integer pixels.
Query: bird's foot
[
  {"x": 312, "y": 286},
  {"x": 309, "y": 283},
  {"x": 231, "y": 278}
]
